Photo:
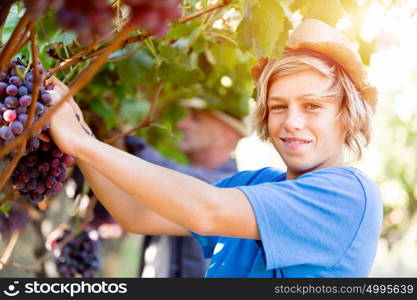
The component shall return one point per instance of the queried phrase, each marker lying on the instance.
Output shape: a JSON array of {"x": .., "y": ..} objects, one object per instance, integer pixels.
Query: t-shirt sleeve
[
  {"x": 310, "y": 220},
  {"x": 207, "y": 243}
]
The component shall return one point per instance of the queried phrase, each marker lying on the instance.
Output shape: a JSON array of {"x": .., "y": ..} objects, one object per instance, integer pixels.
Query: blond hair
[{"x": 355, "y": 112}]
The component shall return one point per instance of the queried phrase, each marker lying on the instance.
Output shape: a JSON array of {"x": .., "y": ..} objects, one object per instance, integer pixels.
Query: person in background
[{"x": 209, "y": 137}]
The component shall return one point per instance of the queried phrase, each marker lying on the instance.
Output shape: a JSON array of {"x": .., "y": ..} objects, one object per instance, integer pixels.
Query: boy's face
[{"x": 302, "y": 122}]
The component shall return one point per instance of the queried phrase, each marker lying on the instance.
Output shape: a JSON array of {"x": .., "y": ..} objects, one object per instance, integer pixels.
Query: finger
[
  {"x": 57, "y": 83},
  {"x": 56, "y": 97}
]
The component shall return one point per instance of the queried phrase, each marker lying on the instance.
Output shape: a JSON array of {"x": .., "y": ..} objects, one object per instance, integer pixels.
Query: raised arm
[
  {"x": 130, "y": 214},
  {"x": 182, "y": 199}
]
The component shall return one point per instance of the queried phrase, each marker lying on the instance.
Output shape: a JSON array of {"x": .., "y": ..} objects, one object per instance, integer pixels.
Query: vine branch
[
  {"x": 10, "y": 48},
  {"x": 197, "y": 14}
]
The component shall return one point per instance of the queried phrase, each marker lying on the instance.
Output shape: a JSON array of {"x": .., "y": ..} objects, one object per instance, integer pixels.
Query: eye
[
  {"x": 277, "y": 107},
  {"x": 312, "y": 106}
]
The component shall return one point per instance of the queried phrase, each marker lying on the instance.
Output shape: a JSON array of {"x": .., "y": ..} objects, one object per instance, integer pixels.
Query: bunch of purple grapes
[
  {"x": 14, "y": 220},
  {"x": 16, "y": 98},
  {"x": 89, "y": 19},
  {"x": 42, "y": 169},
  {"x": 154, "y": 16},
  {"x": 41, "y": 172},
  {"x": 79, "y": 256}
]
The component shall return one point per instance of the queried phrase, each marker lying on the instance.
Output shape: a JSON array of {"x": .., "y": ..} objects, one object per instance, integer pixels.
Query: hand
[{"x": 68, "y": 128}]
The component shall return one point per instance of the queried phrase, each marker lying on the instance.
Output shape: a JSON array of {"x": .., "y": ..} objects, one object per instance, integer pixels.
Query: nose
[
  {"x": 294, "y": 120},
  {"x": 183, "y": 123}
]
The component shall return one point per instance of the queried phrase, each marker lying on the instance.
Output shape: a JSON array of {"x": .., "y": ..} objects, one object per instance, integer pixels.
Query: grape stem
[
  {"x": 5, "y": 175},
  {"x": 81, "y": 80},
  {"x": 10, "y": 48},
  {"x": 79, "y": 57},
  {"x": 70, "y": 61},
  {"x": 197, "y": 14},
  {"x": 9, "y": 249},
  {"x": 148, "y": 118}
]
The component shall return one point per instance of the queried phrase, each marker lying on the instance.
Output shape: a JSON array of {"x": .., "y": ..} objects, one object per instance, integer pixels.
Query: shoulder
[
  {"x": 251, "y": 177},
  {"x": 345, "y": 177}
]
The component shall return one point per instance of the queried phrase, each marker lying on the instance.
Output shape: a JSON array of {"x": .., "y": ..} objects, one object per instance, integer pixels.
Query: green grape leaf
[
  {"x": 177, "y": 67},
  {"x": 66, "y": 38},
  {"x": 136, "y": 69},
  {"x": 134, "y": 112},
  {"x": 329, "y": 11},
  {"x": 261, "y": 26}
]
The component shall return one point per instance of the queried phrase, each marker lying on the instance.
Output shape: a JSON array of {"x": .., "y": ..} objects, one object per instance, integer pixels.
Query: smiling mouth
[{"x": 295, "y": 140}]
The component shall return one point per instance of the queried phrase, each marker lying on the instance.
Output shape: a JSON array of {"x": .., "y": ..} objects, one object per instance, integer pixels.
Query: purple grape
[
  {"x": 3, "y": 108},
  {"x": 3, "y": 87},
  {"x": 11, "y": 102},
  {"x": 35, "y": 198},
  {"x": 39, "y": 108},
  {"x": 29, "y": 85},
  {"x": 61, "y": 177},
  {"x": 32, "y": 184},
  {"x": 68, "y": 160},
  {"x": 23, "y": 90},
  {"x": 29, "y": 77},
  {"x": 25, "y": 100},
  {"x": 23, "y": 118},
  {"x": 55, "y": 162},
  {"x": 55, "y": 171},
  {"x": 24, "y": 177},
  {"x": 18, "y": 184},
  {"x": 40, "y": 189},
  {"x": 16, "y": 127},
  {"x": 9, "y": 115},
  {"x": 33, "y": 144},
  {"x": 45, "y": 98},
  {"x": 43, "y": 168},
  {"x": 57, "y": 153},
  {"x": 11, "y": 90},
  {"x": 31, "y": 160},
  {"x": 6, "y": 133},
  {"x": 50, "y": 182},
  {"x": 34, "y": 173},
  {"x": 15, "y": 80}
]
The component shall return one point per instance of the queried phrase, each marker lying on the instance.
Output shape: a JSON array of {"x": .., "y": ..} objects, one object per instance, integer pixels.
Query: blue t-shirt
[{"x": 325, "y": 223}]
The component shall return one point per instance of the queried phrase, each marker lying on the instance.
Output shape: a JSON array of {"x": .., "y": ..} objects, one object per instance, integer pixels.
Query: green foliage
[
  {"x": 194, "y": 59},
  {"x": 261, "y": 26},
  {"x": 329, "y": 11},
  {"x": 6, "y": 206}
]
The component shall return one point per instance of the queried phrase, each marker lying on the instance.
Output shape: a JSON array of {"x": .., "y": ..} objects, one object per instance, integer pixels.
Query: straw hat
[
  {"x": 201, "y": 104},
  {"x": 318, "y": 36}
]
